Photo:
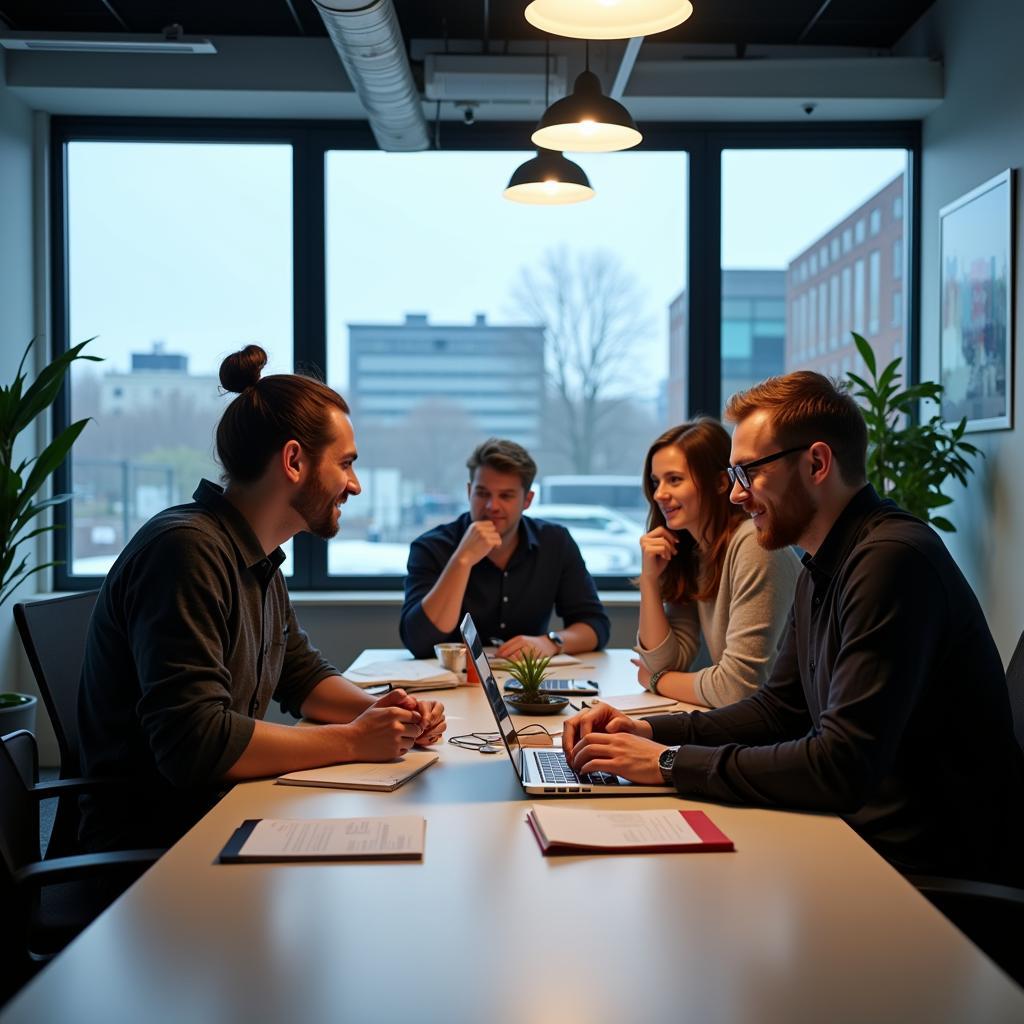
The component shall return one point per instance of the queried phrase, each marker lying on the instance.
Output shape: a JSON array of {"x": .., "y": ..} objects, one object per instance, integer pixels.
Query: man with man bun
[{"x": 194, "y": 634}]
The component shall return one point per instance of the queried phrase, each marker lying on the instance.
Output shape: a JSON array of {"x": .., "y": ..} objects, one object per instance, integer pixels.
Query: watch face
[{"x": 666, "y": 760}]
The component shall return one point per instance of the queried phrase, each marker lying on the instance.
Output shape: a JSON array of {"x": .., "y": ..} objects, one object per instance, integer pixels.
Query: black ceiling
[{"x": 870, "y": 23}]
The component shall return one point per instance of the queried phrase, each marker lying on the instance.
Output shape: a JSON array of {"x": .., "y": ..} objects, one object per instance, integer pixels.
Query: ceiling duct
[{"x": 369, "y": 41}]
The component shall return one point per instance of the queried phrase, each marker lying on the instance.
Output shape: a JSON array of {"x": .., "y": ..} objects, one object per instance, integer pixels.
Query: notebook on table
[
  {"x": 570, "y": 830},
  {"x": 544, "y": 771},
  {"x": 384, "y": 776},
  {"x": 403, "y": 673}
]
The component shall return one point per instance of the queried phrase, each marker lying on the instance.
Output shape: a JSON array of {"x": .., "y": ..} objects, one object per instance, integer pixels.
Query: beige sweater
[{"x": 741, "y": 626}]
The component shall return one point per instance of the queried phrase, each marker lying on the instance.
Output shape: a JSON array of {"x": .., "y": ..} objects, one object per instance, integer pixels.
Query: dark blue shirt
[
  {"x": 546, "y": 570},
  {"x": 887, "y": 704}
]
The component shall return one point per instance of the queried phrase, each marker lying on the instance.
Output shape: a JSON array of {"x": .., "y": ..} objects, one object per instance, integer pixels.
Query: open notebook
[{"x": 404, "y": 673}]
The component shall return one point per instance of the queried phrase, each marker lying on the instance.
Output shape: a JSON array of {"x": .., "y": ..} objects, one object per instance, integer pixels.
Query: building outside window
[{"x": 874, "y": 290}]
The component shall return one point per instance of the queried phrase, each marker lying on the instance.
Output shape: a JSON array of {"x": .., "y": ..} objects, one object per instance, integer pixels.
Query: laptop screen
[{"x": 498, "y": 706}]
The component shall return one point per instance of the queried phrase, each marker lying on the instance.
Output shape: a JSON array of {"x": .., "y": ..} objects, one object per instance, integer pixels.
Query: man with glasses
[{"x": 887, "y": 703}]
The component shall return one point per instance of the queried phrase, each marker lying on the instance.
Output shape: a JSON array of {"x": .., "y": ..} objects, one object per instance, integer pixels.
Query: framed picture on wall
[{"x": 976, "y": 340}]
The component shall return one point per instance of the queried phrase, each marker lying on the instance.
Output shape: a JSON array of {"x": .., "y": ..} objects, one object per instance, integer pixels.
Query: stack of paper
[
  {"x": 562, "y": 830},
  {"x": 644, "y": 703},
  {"x": 501, "y": 664},
  {"x": 283, "y": 839},
  {"x": 410, "y": 675}
]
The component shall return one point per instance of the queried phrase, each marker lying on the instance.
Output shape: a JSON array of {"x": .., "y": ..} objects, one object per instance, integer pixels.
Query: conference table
[{"x": 803, "y": 922}]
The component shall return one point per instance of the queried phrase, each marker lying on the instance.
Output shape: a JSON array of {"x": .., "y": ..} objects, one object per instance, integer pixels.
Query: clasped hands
[
  {"x": 391, "y": 726},
  {"x": 603, "y": 739}
]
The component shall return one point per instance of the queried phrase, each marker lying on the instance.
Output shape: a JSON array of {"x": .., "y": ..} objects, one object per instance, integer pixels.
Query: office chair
[
  {"x": 47, "y": 903},
  {"x": 991, "y": 916},
  {"x": 54, "y": 634}
]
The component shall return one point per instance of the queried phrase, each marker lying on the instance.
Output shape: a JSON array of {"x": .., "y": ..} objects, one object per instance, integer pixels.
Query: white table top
[{"x": 804, "y": 922}]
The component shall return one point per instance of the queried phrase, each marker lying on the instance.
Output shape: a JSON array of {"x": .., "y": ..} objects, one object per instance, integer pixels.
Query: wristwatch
[
  {"x": 556, "y": 639},
  {"x": 652, "y": 682},
  {"x": 665, "y": 762}
]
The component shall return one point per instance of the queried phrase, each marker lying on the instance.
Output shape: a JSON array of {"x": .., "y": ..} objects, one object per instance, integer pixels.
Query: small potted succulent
[{"x": 529, "y": 670}]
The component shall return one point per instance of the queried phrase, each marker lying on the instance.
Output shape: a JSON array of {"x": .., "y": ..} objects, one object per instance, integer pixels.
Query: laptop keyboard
[{"x": 555, "y": 769}]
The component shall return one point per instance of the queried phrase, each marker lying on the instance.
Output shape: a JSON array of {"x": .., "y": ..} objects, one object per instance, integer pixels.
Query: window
[
  {"x": 897, "y": 258},
  {"x": 367, "y": 247},
  {"x": 822, "y": 316},
  {"x": 897, "y": 309},
  {"x": 897, "y": 207},
  {"x": 833, "y": 311},
  {"x": 847, "y": 313},
  {"x": 453, "y": 335},
  {"x": 874, "y": 290},
  {"x": 858, "y": 296},
  {"x": 763, "y": 244},
  {"x": 178, "y": 253}
]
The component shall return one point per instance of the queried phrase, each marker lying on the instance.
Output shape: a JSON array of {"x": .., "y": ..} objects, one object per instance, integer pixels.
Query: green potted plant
[
  {"x": 530, "y": 670},
  {"x": 909, "y": 458},
  {"x": 20, "y": 483}
]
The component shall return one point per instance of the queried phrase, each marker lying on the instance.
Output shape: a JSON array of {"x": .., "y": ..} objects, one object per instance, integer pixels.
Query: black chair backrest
[
  {"x": 19, "y": 808},
  {"x": 1015, "y": 684},
  {"x": 54, "y": 633}
]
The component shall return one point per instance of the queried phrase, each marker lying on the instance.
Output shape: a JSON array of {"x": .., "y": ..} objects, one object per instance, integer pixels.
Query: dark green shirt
[{"x": 192, "y": 636}]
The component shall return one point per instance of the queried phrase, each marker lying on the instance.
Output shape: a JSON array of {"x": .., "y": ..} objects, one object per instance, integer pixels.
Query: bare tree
[{"x": 593, "y": 313}]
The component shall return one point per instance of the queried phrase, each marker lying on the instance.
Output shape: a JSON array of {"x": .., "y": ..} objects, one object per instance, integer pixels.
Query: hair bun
[{"x": 242, "y": 370}]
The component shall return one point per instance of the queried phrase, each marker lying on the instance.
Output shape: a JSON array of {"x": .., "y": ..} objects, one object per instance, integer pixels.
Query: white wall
[
  {"x": 17, "y": 299},
  {"x": 977, "y": 132}
]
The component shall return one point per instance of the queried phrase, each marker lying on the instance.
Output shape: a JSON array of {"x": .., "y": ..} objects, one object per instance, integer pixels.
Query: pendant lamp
[
  {"x": 607, "y": 19},
  {"x": 586, "y": 121},
  {"x": 549, "y": 179}
]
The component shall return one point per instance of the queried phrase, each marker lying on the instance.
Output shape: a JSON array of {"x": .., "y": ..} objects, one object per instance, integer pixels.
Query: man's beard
[
  {"x": 316, "y": 506},
  {"x": 787, "y": 525}
]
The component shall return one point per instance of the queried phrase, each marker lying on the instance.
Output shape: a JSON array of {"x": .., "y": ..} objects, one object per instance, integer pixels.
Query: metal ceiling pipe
[{"x": 369, "y": 41}]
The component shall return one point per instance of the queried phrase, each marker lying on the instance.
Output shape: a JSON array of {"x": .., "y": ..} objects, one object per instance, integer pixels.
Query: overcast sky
[{"x": 191, "y": 244}]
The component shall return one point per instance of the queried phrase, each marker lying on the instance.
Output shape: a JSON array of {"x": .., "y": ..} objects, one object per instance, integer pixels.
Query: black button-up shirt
[
  {"x": 192, "y": 636},
  {"x": 546, "y": 570},
  {"x": 887, "y": 704}
]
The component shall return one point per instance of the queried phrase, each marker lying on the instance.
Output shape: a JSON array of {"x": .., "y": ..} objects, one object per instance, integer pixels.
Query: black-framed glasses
[{"x": 738, "y": 474}]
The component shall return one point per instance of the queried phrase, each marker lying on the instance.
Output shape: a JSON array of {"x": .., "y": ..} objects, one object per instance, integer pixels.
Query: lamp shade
[
  {"x": 548, "y": 180},
  {"x": 586, "y": 121},
  {"x": 607, "y": 19}
]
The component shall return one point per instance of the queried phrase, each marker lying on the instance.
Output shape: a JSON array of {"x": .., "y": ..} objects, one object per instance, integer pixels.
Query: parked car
[{"x": 608, "y": 540}]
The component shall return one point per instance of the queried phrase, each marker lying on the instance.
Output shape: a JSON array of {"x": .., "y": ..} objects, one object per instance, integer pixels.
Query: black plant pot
[{"x": 541, "y": 704}]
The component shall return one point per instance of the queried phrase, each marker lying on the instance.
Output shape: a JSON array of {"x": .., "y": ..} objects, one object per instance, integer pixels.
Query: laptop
[{"x": 544, "y": 771}]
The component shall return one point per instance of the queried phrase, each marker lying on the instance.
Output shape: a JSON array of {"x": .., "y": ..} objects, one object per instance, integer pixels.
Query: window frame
[{"x": 704, "y": 142}]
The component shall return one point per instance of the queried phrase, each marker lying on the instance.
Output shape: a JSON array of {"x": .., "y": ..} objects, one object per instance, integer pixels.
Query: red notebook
[{"x": 571, "y": 830}]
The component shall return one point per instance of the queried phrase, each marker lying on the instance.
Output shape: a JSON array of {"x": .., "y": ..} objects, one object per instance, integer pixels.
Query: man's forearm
[
  {"x": 443, "y": 603},
  {"x": 335, "y": 700},
  {"x": 578, "y": 638},
  {"x": 274, "y": 749}
]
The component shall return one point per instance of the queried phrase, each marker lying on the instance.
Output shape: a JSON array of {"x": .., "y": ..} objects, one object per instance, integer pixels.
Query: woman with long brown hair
[{"x": 704, "y": 573}]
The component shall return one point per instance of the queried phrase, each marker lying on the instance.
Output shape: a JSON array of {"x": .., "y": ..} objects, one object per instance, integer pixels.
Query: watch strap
[{"x": 652, "y": 682}]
